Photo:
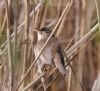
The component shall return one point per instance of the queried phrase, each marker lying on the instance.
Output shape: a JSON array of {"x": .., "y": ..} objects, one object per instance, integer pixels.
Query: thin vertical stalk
[
  {"x": 9, "y": 47},
  {"x": 15, "y": 11},
  {"x": 26, "y": 36},
  {"x": 4, "y": 22}
]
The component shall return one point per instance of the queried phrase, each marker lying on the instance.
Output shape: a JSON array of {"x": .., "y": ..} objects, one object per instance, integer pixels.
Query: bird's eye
[
  {"x": 41, "y": 32},
  {"x": 47, "y": 31}
]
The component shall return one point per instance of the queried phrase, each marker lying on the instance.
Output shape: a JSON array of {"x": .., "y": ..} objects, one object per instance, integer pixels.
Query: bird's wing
[{"x": 58, "y": 64}]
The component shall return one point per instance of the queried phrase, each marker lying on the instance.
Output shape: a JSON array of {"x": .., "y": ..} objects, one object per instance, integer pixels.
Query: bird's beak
[{"x": 35, "y": 30}]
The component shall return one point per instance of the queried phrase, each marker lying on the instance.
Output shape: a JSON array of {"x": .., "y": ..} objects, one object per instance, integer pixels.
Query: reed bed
[{"x": 76, "y": 25}]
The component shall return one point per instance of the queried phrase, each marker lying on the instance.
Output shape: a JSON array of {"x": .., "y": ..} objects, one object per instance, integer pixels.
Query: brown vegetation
[{"x": 75, "y": 23}]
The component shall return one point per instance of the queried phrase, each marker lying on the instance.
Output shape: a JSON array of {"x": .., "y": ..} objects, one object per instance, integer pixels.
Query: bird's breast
[
  {"x": 48, "y": 52},
  {"x": 46, "y": 55}
]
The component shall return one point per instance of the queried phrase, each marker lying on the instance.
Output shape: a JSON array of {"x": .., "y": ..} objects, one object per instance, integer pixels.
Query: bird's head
[{"x": 44, "y": 32}]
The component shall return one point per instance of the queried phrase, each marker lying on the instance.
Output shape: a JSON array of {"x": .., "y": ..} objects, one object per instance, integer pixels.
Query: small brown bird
[{"x": 52, "y": 54}]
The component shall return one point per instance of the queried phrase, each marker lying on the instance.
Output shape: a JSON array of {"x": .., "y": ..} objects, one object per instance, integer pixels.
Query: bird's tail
[{"x": 59, "y": 65}]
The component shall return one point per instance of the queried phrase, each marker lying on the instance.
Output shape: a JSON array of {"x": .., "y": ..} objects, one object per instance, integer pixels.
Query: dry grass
[{"x": 74, "y": 23}]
